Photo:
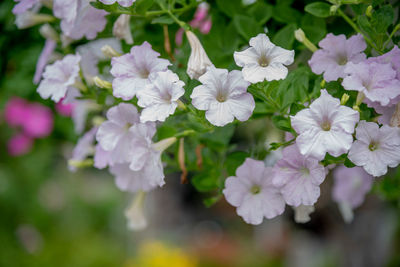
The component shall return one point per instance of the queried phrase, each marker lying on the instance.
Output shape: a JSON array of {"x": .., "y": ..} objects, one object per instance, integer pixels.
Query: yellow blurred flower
[{"x": 158, "y": 254}]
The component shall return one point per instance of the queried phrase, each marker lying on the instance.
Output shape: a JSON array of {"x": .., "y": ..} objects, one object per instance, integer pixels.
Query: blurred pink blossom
[
  {"x": 19, "y": 144},
  {"x": 15, "y": 111},
  {"x": 64, "y": 109},
  {"x": 39, "y": 121}
]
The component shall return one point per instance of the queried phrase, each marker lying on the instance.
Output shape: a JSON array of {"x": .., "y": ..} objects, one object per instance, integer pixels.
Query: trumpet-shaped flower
[
  {"x": 335, "y": 53},
  {"x": 263, "y": 60},
  {"x": 376, "y": 148},
  {"x": 124, "y": 3},
  {"x": 392, "y": 57},
  {"x": 160, "y": 97},
  {"x": 377, "y": 81},
  {"x": 224, "y": 96},
  {"x": 122, "y": 28},
  {"x": 84, "y": 147},
  {"x": 131, "y": 71},
  {"x": 253, "y": 193},
  {"x": 298, "y": 177},
  {"x": 325, "y": 126},
  {"x": 59, "y": 77}
]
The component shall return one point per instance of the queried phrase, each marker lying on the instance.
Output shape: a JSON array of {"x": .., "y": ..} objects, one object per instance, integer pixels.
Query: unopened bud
[
  {"x": 29, "y": 19},
  {"x": 80, "y": 163},
  {"x": 164, "y": 144},
  {"x": 323, "y": 83},
  {"x": 333, "y": 9},
  {"x": 198, "y": 60},
  {"x": 302, "y": 213},
  {"x": 344, "y": 99},
  {"x": 109, "y": 52},
  {"x": 102, "y": 83},
  {"x": 122, "y": 28},
  {"x": 134, "y": 213},
  {"x": 98, "y": 120},
  {"x": 368, "y": 12},
  {"x": 360, "y": 98},
  {"x": 48, "y": 32},
  {"x": 301, "y": 37}
]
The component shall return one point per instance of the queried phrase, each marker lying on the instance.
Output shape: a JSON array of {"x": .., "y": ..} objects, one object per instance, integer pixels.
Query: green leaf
[
  {"x": 282, "y": 123},
  {"x": 246, "y": 26},
  {"x": 230, "y": 7},
  {"x": 142, "y": 6},
  {"x": 285, "y": 14},
  {"x": 382, "y": 18},
  {"x": 207, "y": 180},
  {"x": 208, "y": 202},
  {"x": 219, "y": 137},
  {"x": 318, "y": 9},
  {"x": 314, "y": 28},
  {"x": 162, "y": 20},
  {"x": 261, "y": 12},
  {"x": 234, "y": 160},
  {"x": 285, "y": 36}
]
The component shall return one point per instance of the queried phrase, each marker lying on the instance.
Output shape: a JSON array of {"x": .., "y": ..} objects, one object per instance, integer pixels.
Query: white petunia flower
[
  {"x": 376, "y": 148},
  {"x": 263, "y": 60},
  {"x": 59, "y": 77},
  {"x": 326, "y": 126},
  {"x": 224, "y": 96},
  {"x": 160, "y": 97},
  {"x": 253, "y": 193},
  {"x": 116, "y": 134},
  {"x": 198, "y": 60},
  {"x": 134, "y": 213},
  {"x": 131, "y": 71}
]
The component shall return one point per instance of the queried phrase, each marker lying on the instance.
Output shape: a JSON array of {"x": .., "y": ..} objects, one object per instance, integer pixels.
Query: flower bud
[
  {"x": 395, "y": 120},
  {"x": 198, "y": 60},
  {"x": 29, "y": 19},
  {"x": 164, "y": 144},
  {"x": 122, "y": 28},
  {"x": 344, "y": 99},
  {"x": 48, "y": 32},
  {"x": 109, "y": 52},
  {"x": 302, "y": 213},
  {"x": 102, "y": 83},
  {"x": 368, "y": 12},
  {"x": 301, "y": 37},
  {"x": 134, "y": 213}
]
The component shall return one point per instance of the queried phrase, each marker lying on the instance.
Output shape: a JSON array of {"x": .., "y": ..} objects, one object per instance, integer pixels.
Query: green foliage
[{"x": 318, "y": 9}]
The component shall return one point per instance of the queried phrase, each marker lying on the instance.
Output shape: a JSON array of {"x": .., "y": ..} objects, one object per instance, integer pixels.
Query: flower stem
[{"x": 391, "y": 35}]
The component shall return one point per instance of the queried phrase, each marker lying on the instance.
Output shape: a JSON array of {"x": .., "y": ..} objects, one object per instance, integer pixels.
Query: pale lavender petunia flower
[
  {"x": 24, "y": 5},
  {"x": 351, "y": 185},
  {"x": 386, "y": 112},
  {"x": 223, "y": 96},
  {"x": 298, "y": 177},
  {"x": 116, "y": 134},
  {"x": 335, "y": 53},
  {"x": 49, "y": 47},
  {"x": 102, "y": 158},
  {"x": 79, "y": 19},
  {"x": 376, "y": 148},
  {"x": 131, "y": 71},
  {"x": 59, "y": 77},
  {"x": 122, "y": 28},
  {"x": 376, "y": 81},
  {"x": 392, "y": 57},
  {"x": 160, "y": 97},
  {"x": 253, "y": 193},
  {"x": 84, "y": 148},
  {"x": 124, "y": 3},
  {"x": 326, "y": 126},
  {"x": 263, "y": 60}
]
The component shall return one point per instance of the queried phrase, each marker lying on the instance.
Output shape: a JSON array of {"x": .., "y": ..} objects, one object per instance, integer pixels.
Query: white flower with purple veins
[
  {"x": 377, "y": 81},
  {"x": 79, "y": 19},
  {"x": 335, "y": 53},
  {"x": 115, "y": 135},
  {"x": 298, "y": 177},
  {"x": 131, "y": 71},
  {"x": 326, "y": 126},
  {"x": 223, "y": 96},
  {"x": 59, "y": 77},
  {"x": 253, "y": 193},
  {"x": 124, "y": 3},
  {"x": 376, "y": 148},
  {"x": 160, "y": 97},
  {"x": 263, "y": 60}
]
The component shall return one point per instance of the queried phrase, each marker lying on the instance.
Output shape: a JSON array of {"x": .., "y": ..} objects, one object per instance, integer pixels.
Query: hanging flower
[
  {"x": 122, "y": 28},
  {"x": 198, "y": 60}
]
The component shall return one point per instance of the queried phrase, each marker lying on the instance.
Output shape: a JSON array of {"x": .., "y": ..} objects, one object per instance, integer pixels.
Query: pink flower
[
  {"x": 335, "y": 53},
  {"x": 64, "y": 109},
  {"x": 325, "y": 127},
  {"x": 19, "y": 145},
  {"x": 298, "y": 177},
  {"x": 16, "y": 111},
  {"x": 39, "y": 121},
  {"x": 253, "y": 192}
]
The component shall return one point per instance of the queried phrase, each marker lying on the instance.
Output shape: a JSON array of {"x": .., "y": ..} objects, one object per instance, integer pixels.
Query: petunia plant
[{"x": 252, "y": 102}]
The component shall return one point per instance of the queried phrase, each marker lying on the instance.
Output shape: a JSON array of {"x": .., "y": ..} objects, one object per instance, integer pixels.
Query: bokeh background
[{"x": 52, "y": 217}]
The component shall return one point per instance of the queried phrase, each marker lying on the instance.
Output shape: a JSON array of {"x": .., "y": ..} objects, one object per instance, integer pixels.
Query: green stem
[
  {"x": 391, "y": 35},
  {"x": 355, "y": 27}
]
